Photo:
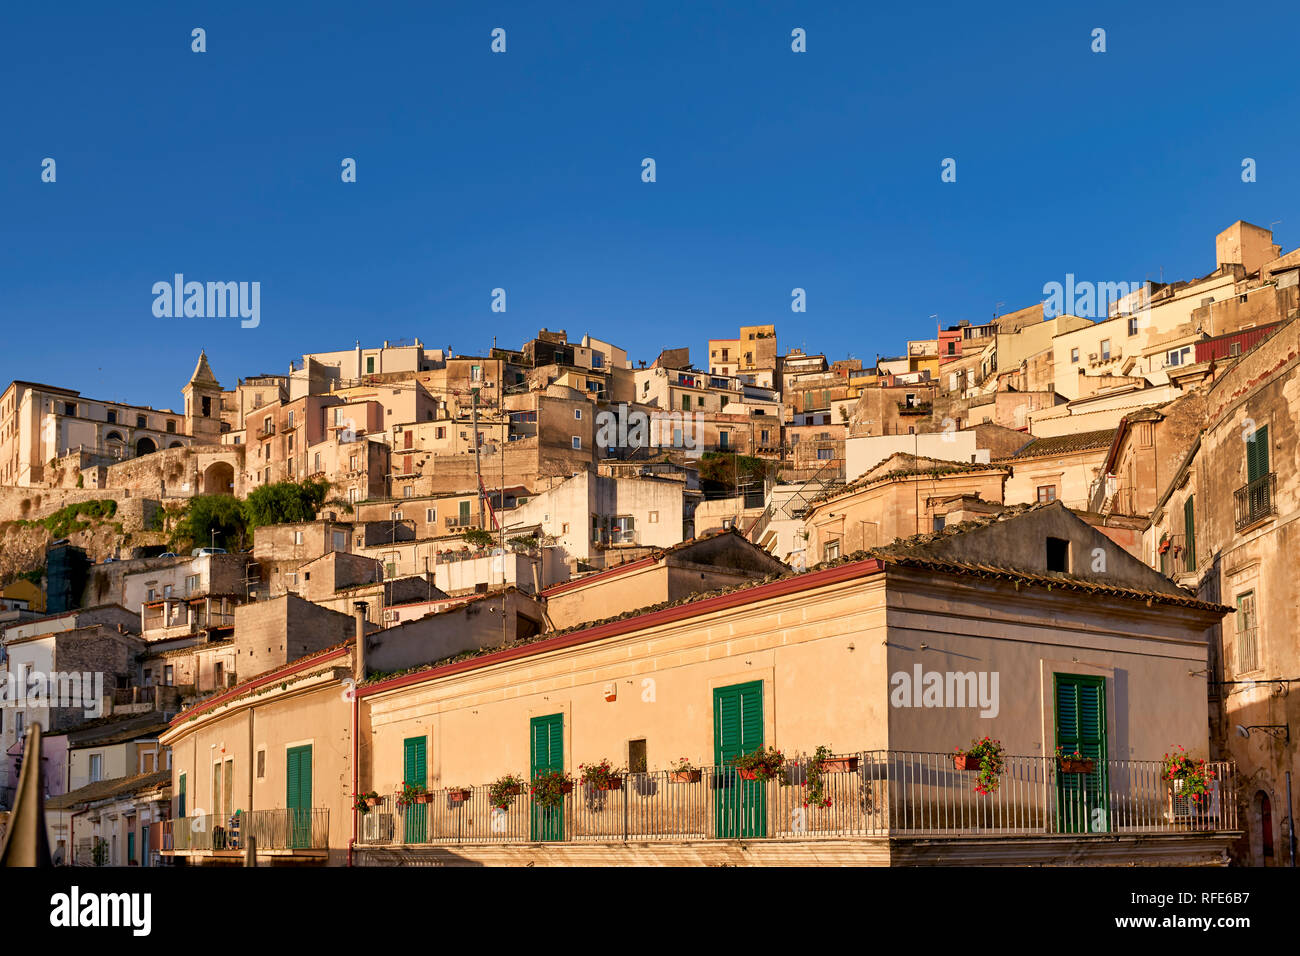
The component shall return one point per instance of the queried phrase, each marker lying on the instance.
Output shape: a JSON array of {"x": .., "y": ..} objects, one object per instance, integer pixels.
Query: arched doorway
[
  {"x": 1264, "y": 814},
  {"x": 219, "y": 479},
  {"x": 145, "y": 446}
]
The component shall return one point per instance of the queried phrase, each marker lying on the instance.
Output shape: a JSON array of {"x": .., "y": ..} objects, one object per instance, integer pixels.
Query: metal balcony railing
[
  {"x": 274, "y": 829},
  {"x": 1256, "y": 500},
  {"x": 886, "y": 793}
]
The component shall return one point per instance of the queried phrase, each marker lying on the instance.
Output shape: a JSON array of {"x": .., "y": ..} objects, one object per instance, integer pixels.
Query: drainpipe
[
  {"x": 1290, "y": 819},
  {"x": 358, "y": 675}
]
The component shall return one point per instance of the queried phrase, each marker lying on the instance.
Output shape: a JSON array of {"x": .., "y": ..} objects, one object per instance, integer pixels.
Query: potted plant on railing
[
  {"x": 760, "y": 765},
  {"x": 411, "y": 794},
  {"x": 549, "y": 788},
  {"x": 831, "y": 764},
  {"x": 601, "y": 776},
  {"x": 684, "y": 772},
  {"x": 1074, "y": 762},
  {"x": 1188, "y": 778},
  {"x": 458, "y": 794},
  {"x": 815, "y": 778},
  {"x": 986, "y": 757},
  {"x": 502, "y": 792},
  {"x": 364, "y": 801}
]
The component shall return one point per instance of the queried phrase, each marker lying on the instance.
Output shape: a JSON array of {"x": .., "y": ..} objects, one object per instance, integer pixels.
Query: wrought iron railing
[
  {"x": 875, "y": 793},
  {"x": 283, "y": 829},
  {"x": 1256, "y": 500}
]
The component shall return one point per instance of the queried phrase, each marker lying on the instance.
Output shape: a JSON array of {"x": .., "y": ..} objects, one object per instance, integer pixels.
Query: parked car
[
  {"x": 201, "y": 551},
  {"x": 167, "y": 554}
]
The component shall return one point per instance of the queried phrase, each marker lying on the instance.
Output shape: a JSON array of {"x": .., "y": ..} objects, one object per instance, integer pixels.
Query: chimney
[{"x": 359, "y": 609}]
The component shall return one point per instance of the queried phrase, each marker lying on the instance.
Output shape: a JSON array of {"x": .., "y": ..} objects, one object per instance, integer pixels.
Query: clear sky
[{"x": 523, "y": 170}]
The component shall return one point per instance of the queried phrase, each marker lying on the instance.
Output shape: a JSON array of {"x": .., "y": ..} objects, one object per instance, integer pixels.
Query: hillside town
[{"x": 1020, "y": 591}]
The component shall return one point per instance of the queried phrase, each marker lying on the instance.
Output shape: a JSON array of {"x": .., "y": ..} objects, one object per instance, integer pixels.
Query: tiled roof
[
  {"x": 938, "y": 470},
  {"x": 1065, "y": 444},
  {"x": 106, "y": 789}
]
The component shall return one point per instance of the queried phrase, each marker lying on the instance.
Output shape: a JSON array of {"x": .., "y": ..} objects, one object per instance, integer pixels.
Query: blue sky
[{"x": 522, "y": 170}]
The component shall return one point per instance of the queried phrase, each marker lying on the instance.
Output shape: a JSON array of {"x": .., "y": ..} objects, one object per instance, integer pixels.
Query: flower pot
[
  {"x": 747, "y": 774},
  {"x": 840, "y": 765},
  {"x": 966, "y": 762},
  {"x": 686, "y": 776},
  {"x": 613, "y": 783},
  {"x": 566, "y": 787},
  {"x": 1068, "y": 765},
  {"x": 422, "y": 798},
  {"x": 457, "y": 796},
  {"x": 374, "y": 801}
]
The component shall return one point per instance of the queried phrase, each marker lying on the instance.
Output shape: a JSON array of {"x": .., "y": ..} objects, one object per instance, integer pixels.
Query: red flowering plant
[
  {"x": 989, "y": 754},
  {"x": 550, "y": 786},
  {"x": 600, "y": 776},
  {"x": 1195, "y": 776},
  {"x": 410, "y": 793},
  {"x": 815, "y": 779},
  {"x": 363, "y": 801},
  {"x": 502, "y": 791},
  {"x": 760, "y": 765}
]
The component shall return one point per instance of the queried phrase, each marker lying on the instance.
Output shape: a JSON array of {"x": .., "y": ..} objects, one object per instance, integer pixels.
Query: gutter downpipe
[{"x": 358, "y": 675}]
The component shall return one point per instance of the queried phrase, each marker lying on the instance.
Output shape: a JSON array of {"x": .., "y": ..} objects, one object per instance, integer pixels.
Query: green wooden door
[
  {"x": 546, "y": 746},
  {"x": 130, "y": 847},
  {"x": 298, "y": 795},
  {"x": 1082, "y": 805},
  {"x": 741, "y": 805},
  {"x": 415, "y": 817}
]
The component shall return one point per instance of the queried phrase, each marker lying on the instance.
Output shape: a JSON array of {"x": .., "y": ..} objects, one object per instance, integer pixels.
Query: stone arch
[
  {"x": 145, "y": 446},
  {"x": 219, "y": 479},
  {"x": 176, "y": 444}
]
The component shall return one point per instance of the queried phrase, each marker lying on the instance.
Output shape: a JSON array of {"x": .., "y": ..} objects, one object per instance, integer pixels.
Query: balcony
[
  {"x": 290, "y": 833},
  {"x": 267, "y": 430},
  {"x": 459, "y": 522},
  {"x": 1256, "y": 501},
  {"x": 915, "y": 408},
  {"x": 889, "y": 794}
]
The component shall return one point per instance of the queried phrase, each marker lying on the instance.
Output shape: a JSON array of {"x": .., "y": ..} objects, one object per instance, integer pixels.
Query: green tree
[
  {"x": 284, "y": 501},
  {"x": 206, "y": 514}
]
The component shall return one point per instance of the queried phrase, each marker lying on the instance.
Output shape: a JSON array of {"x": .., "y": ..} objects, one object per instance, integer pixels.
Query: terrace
[{"x": 911, "y": 802}]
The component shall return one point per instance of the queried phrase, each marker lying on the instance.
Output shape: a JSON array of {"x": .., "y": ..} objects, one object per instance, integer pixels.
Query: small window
[
  {"x": 1105, "y": 349},
  {"x": 1046, "y": 493},
  {"x": 1133, "y": 326},
  {"x": 653, "y": 518},
  {"x": 406, "y": 492},
  {"x": 831, "y": 551},
  {"x": 1058, "y": 555},
  {"x": 370, "y": 364},
  {"x": 430, "y": 515},
  {"x": 140, "y": 421},
  {"x": 577, "y": 443},
  {"x": 939, "y": 521},
  {"x": 577, "y": 414},
  {"x": 1074, "y": 355},
  {"x": 261, "y": 764},
  {"x": 297, "y": 537},
  {"x": 171, "y": 426},
  {"x": 636, "y": 756}
]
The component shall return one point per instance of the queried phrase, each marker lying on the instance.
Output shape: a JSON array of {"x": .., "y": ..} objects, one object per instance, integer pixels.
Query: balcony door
[
  {"x": 546, "y": 746},
  {"x": 415, "y": 816},
  {"x": 1082, "y": 798},
  {"x": 741, "y": 805},
  {"x": 298, "y": 795}
]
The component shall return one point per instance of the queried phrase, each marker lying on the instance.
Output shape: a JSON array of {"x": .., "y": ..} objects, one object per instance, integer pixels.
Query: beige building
[{"x": 1224, "y": 524}]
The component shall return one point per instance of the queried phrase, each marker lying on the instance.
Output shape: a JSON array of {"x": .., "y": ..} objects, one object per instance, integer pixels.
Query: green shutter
[
  {"x": 1257, "y": 455},
  {"x": 1189, "y": 530},
  {"x": 297, "y": 796},
  {"x": 546, "y": 747},
  {"x": 741, "y": 807},
  {"x": 180, "y": 800},
  {"x": 415, "y": 773},
  {"x": 1081, "y": 726},
  {"x": 130, "y": 846}
]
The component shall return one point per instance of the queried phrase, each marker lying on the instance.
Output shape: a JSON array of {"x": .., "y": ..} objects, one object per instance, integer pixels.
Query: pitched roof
[
  {"x": 203, "y": 373},
  {"x": 938, "y": 469},
  {"x": 107, "y": 789},
  {"x": 1065, "y": 444}
]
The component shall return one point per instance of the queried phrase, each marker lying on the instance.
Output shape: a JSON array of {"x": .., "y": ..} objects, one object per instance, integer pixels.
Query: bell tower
[{"x": 203, "y": 404}]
